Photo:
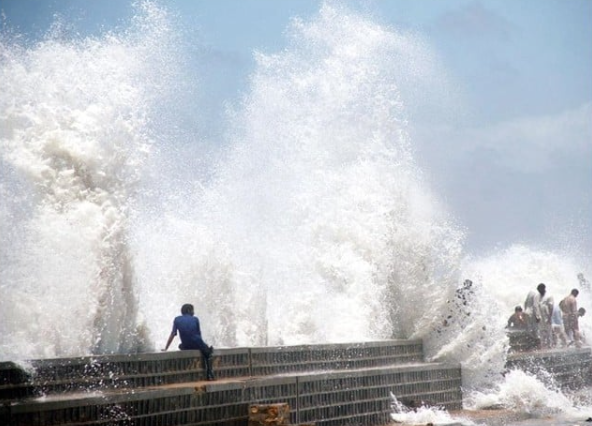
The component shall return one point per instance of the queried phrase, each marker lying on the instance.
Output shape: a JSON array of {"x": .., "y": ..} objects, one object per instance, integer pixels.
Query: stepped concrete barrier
[
  {"x": 288, "y": 359},
  {"x": 140, "y": 370},
  {"x": 336, "y": 384},
  {"x": 324, "y": 384},
  {"x": 365, "y": 396},
  {"x": 332, "y": 398},
  {"x": 48, "y": 376},
  {"x": 566, "y": 367}
]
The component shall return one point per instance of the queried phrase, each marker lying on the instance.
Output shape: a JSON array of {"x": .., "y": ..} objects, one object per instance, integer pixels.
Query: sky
[{"x": 505, "y": 138}]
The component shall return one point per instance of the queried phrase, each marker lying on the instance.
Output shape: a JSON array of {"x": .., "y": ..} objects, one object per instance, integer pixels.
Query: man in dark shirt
[{"x": 190, "y": 333}]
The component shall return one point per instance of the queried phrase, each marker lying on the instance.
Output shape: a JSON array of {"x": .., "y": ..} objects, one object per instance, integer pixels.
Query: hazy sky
[{"x": 508, "y": 149}]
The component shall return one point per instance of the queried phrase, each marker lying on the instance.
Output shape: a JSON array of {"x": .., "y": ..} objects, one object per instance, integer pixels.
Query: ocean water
[{"x": 307, "y": 221}]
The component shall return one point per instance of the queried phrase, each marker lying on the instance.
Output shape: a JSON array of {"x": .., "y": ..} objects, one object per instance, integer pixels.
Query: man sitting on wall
[
  {"x": 188, "y": 327},
  {"x": 518, "y": 320},
  {"x": 522, "y": 337}
]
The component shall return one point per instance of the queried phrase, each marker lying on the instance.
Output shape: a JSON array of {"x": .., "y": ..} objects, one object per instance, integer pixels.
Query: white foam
[{"x": 314, "y": 224}]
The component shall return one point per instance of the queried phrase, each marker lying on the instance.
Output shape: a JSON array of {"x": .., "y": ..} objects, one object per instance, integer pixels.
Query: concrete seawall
[
  {"x": 566, "y": 368},
  {"x": 334, "y": 385},
  {"x": 325, "y": 384}
]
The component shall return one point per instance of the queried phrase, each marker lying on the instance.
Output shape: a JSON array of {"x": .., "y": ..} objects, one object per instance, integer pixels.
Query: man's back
[
  {"x": 529, "y": 302},
  {"x": 570, "y": 305},
  {"x": 189, "y": 330}
]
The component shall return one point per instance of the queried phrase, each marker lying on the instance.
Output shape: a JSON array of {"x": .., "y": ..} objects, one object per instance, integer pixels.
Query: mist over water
[
  {"x": 73, "y": 137},
  {"x": 310, "y": 222},
  {"x": 316, "y": 222}
]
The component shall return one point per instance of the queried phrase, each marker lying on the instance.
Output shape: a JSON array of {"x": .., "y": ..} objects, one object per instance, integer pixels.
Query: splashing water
[
  {"x": 506, "y": 277},
  {"x": 422, "y": 415},
  {"x": 520, "y": 392},
  {"x": 524, "y": 393},
  {"x": 73, "y": 139},
  {"x": 314, "y": 224}
]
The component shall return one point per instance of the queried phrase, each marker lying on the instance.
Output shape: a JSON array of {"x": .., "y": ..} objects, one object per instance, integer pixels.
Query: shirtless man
[{"x": 569, "y": 307}]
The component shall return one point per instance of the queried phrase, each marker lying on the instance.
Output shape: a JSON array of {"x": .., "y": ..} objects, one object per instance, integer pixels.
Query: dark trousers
[
  {"x": 200, "y": 345},
  {"x": 206, "y": 355}
]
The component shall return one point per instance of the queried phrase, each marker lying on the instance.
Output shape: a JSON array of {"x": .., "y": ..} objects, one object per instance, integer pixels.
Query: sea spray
[
  {"x": 422, "y": 415},
  {"x": 506, "y": 276},
  {"x": 73, "y": 138},
  {"x": 470, "y": 327},
  {"x": 522, "y": 392},
  {"x": 317, "y": 226},
  {"x": 314, "y": 224},
  {"x": 510, "y": 273}
]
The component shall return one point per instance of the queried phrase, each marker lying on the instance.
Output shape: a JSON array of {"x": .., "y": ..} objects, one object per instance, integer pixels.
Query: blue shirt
[
  {"x": 189, "y": 331},
  {"x": 556, "y": 318}
]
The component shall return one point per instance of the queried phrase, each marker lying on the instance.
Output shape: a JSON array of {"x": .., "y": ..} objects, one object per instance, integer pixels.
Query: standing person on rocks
[
  {"x": 546, "y": 326},
  {"x": 569, "y": 307},
  {"x": 558, "y": 328},
  {"x": 532, "y": 307},
  {"x": 190, "y": 333},
  {"x": 581, "y": 313}
]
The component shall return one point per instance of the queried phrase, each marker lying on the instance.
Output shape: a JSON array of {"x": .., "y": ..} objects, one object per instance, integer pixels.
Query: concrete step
[
  {"x": 355, "y": 396},
  {"x": 43, "y": 377},
  {"x": 567, "y": 367}
]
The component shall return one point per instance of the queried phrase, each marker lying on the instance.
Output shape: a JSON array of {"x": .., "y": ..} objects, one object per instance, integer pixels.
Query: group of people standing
[{"x": 549, "y": 324}]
